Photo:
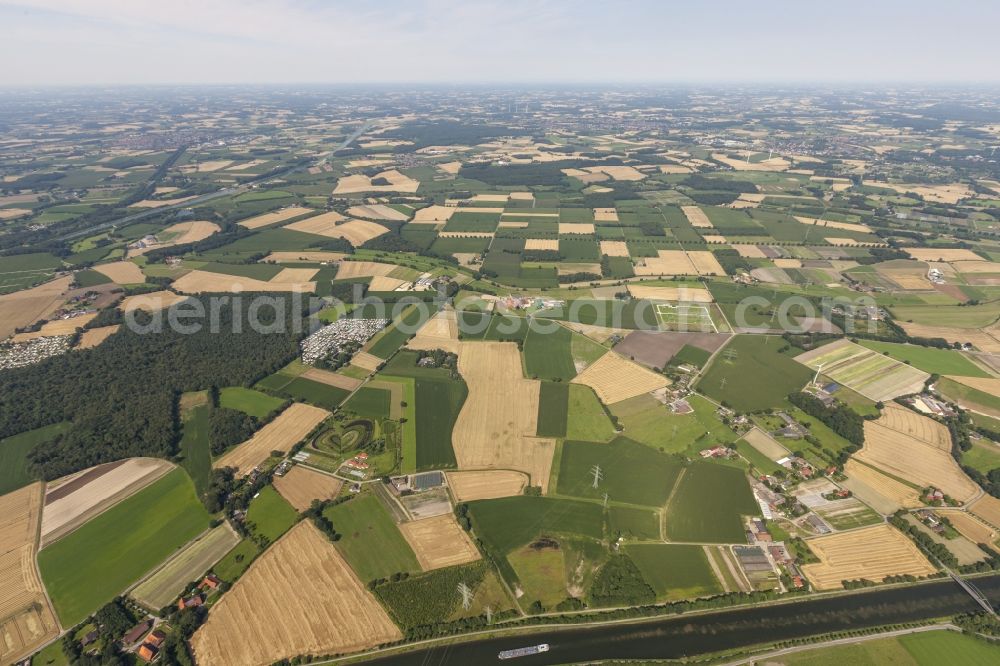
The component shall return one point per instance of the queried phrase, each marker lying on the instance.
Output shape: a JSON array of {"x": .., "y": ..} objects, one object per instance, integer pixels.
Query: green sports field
[
  {"x": 370, "y": 540},
  {"x": 675, "y": 571},
  {"x": 89, "y": 567},
  {"x": 708, "y": 504}
]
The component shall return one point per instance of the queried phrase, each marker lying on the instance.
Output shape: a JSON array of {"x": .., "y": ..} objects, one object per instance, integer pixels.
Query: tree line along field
[{"x": 93, "y": 564}]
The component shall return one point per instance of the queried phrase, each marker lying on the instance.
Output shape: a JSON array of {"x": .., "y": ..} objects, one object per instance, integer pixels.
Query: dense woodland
[{"x": 121, "y": 396}]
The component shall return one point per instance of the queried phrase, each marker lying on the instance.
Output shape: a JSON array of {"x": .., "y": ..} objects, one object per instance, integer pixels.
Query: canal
[{"x": 679, "y": 636}]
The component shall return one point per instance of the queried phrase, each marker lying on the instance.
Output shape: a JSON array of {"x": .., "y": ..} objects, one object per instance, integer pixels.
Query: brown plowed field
[
  {"x": 439, "y": 542},
  {"x": 281, "y": 434},
  {"x": 300, "y": 486},
  {"x": 872, "y": 553},
  {"x": 615, "y": 378},
  {"x": 300, "y": 597},
  {"x": 491, "y": 484}
]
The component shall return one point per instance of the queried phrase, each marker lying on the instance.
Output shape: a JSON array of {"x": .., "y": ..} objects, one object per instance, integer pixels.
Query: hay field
[
  {"x": 293, "y": 257},
  {"x": 73, "y": 500},
  {"x": 439, "y": 542},
  {"x": 614, "y": 248},
  {"x": 575, "y": 228},
  {"x": 705, "y": 263},
  {"x": 154, "y": 301},
  {"x": 766, "y": 444},
  {"x": 398, "y": 182},
  {"x": 677, "y": 294},
  {"x": 469, "y": 486},
  {"x": 920, "y": 427},
  {"x": 331, "y": 378},
  {"x": 301, "y": 485},
  {"x": 871, "y": 552},
  {"x": 605, "y": 215},
  {"x": 300, "y": 597},
  {"x": 56, "y": 327},
  {"x": 541, "y": 244},
  {"x": 987, "y": 508},
  {"x": 497, "y": 424},
  {"x": 971, "y": 527},
  {"x": 122, "y": 272},
  {"x": 615, "y": 378},
  {"x": 885, "y": 494},
  {"x": 357, "y": 269},
  {"x": 26, "y": 620},
  {"x": 281, "y": 434},
  {"x": 258, "y": 221},
  {"x": 749, "y": 251},
  {"x": 697, "y": 217},
  {"x": 95, "y": 336},
  {"x": 904, "y": 457},
  {"x": 191, "y": 562},
  {"x": 871, "y": 374},
  {"x": 197, "y": 282},
  {"x": 378, "y": 212},
  {"x": 667, "y": 262},
  {"x": 27, "y": 306}
]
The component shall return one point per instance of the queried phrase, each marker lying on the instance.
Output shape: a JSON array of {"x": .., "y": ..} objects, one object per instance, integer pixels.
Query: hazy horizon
[{"x": 537, "y": 42}]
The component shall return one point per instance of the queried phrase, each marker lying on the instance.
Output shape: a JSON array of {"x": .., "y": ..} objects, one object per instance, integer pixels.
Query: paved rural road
[{"x": 229, "y": 191}]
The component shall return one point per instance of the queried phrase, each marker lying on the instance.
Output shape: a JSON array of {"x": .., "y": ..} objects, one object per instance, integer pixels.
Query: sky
[{"x": 100, "y": 42}]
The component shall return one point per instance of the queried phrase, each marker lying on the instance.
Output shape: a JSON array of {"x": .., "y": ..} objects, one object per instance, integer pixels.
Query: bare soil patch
[{"x": 654, "y": 349}]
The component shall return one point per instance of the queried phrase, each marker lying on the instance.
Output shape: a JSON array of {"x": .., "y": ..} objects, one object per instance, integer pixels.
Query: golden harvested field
[
  {"x": 749, "y": 251},
  {"x": 154, "y": 301},
  {"x": 122, "y": 272},
  {"x": 281, "y": 434},
  {"x": 496, "y": 427},
  {"x": 541, "y": 244},
  {"x": 188, "y": 564},
  {"x": 468, "y": 486},
  {"x": 982, "y": 340},
  {"x": 333, "y": 225},
  {"x": 299, "y": 597},
  {"x": 872, "y": 553},
  {"x": 56, "y": 327},
  {"x": 378, "y": 212},
  {"x": 972, "y": 528},
  {"x": 920, "y": 463},
  {"x": 696, "y": 216},
  {"x": 987, "y": 508},
  {"x": 885, "y": 494},
  {"x": 450, "y": 168},
  {"x": 773, "y": 164},
  {"x": 365, "y": 360},
  {"x": 617, "y": 172},
  {"x": 615, "y": 378},
  {"x": 682, "y": 294},
  {"x": 439, "y": 542},
  {"x": 95, "y": 336},
  {"x": 907, "y": 280},
  {"x": 973, "y": 267},
  {"x": 705, "y": 263},
  {"x": 989, "y": 385},
  {"x": 438, "y": 332},
  {"x": 13, "y": 213},
  {"x": 575, "y": 228},
  {"x": 73, "y": 500},
  {"x": 293, "y": 257},
  {"x": 26, "y": 620},
  {"x": 197, "y": 282},
  {"x": 788, "y": 263},
  {"x": 361, "y": 183},
  {"x": 766, "y": 444},
  {"x": 433, "y": 214},
  {"x": 846, "y": 226},
  {"x": 355, "y": 269},
  {"x": 27, "y": 306},
  {"x": 942, "y": 254},
  {"x": 182, "y": 233},
  {"x": 585, "y": 176},
  {"x": 667, "y": 262},
  {"x": 294, "y": 275},
  {"x": 605, "y": 215},
  {"x": 920, "y": 427},
  {"x": 258, "y": 221},
  {"x": 331, "y": 378},
  {"x": 384, "y": 283},
  {"x": 301, "y": 485},
  {"x": 614, "y": 248},
  {"x": 949, "y": 194}
]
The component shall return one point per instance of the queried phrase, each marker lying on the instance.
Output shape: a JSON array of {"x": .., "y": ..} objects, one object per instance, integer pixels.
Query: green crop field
[
  {"x": 371, "y": 402},
  {"x": 929, "y": 359},
  {"x": 586, "y": 418},
  {"x": 14, "y": 470},
  {"x": 236, "y": 561},
  {"x": 541, "y": 573},
  {"x": 270, "y": 515},
  {"x": 967, "y": 396},
  {"x": 89, "y": 567},
  {"x": 315, "y": 393},
  {"x": 249, "y": 401},
  {"x": 510, "y": 522},
  {"x": 549, "y": 355},
  {"x": 675, "y": 571},
  {"x": 196, "y": 450},
  {"x": 387, "y": 342},
  {"x": 931, "y": 648},
  {"x": 708, "y": 504},
  {"x": 966, "y": 316},
  {"x": 634, "y": 523},
  {"x": 750, "y": 375},
  {"x": 586, "y": 350},
  {"x": 646, "y": 420},
  {"x": 631, "y": 472},
  {"x": 983, "y": 456},
  {"x": 691, "y": 355},
  {"x": 553, "y": 408},
  {"x": 370, "y": 540},
  {"x": 425, "y": 599},
  {"x": 439, "y": 402}
]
